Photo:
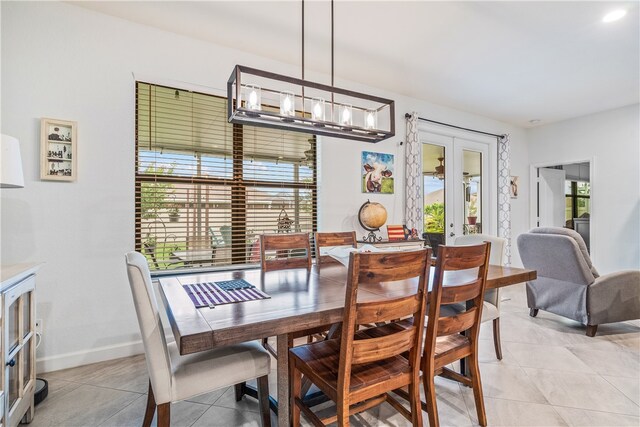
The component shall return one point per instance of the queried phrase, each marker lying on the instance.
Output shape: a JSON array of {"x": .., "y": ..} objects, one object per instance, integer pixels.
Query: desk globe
[{"x": 372, "y": 216}]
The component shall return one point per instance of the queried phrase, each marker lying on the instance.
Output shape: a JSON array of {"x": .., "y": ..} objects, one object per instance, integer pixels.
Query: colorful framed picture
[
  {"x": 377, "y": 172},
  {"x": 58, "y": 150}
]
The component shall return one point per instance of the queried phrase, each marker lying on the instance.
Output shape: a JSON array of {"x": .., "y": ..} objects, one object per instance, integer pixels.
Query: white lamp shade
[{"x": 11, "y": 163}]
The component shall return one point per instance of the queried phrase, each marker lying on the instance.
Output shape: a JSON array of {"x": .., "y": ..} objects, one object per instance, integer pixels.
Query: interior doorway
[{"x": 562, "y": 197}]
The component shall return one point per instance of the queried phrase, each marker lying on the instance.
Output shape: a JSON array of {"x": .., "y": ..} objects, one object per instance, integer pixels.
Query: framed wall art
[
  {"x": 377, "y": 172},
  {"x": 58, "y": 150},
  {"x": 514, "y": 187}
]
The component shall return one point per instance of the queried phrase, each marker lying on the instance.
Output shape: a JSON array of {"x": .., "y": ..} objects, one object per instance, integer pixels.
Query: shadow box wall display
[{"x": 59, "y": 147}]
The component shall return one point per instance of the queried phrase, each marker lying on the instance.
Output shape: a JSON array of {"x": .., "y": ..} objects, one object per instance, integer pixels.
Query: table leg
[{"x": 284, "y": 418}]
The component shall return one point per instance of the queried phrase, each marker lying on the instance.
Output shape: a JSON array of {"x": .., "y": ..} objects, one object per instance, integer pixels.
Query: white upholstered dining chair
[
  {"x": 491, "y": 309},
  {"x": 173, "y": 377}
]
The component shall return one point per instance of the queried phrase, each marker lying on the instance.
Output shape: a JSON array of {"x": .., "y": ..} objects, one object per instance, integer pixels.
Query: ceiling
[{"x": 512, "y": 61}]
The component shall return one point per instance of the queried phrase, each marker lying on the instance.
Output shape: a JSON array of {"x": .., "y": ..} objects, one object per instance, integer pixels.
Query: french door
[{"x": 459, "y": 186}]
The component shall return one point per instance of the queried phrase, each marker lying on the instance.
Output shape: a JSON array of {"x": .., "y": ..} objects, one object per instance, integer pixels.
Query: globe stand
[{"x": 371, "y": 237}]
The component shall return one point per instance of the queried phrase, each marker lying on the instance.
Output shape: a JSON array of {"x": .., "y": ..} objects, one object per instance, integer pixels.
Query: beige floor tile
[
  {"x": 487, "y": 353},
  {"x": 217, "y": 416},
  {"x": 85, "y": 406},
  {"x": 613, "y": 363},
  {"x": 128, "y": 374},
  {"x": 208, "y": 398},
  {"x": 630, "y": 387},
  {"x": 507, "y": 382},
  {"x": 547, "y": 357},
  {"x": 228, "y": 400},
  {"x": 58, "y": 388},
  {"x": 183, "y": 414},
  {"x": 501, "y": 412},
  {"x": 582, "y": 391},
  {"x": 583, "y": 418}
]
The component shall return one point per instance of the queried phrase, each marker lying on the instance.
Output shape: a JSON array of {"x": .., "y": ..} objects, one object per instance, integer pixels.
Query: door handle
[
  {"x": 451, "y": 225},
  {"x": 452, "y": 234},
  {"x": 11, "y": 363}
]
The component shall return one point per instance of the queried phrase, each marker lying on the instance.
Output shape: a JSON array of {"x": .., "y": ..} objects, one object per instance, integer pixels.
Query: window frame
[{"x": 238, "y": 196}]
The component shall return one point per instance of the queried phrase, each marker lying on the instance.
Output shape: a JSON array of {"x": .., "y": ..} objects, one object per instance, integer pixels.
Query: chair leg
[
  {"x": 477, "y": 389},
  {"x": 591, "y": 330},
  {"x": 151, "y": 408},
  {"x": 533, "y": 312},
  {"x": 164, "y": 414},
  {"x": 295, "y": 378},
  {"x": 430, "y": 398},
  {"x": 263, "y": 400},
  {"x": 496, "y": 338},
  {"x": 239, "y": 391},
  {"x": 343, "y": 413},
  {"x": 414, "y": 401}
]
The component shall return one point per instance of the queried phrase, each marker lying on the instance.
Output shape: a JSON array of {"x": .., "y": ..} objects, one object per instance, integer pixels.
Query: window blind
[{"x": 205, "y": 188}]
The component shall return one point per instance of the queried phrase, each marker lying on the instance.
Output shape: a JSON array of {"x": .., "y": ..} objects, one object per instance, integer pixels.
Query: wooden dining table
[{"x": 300, "y": 299}]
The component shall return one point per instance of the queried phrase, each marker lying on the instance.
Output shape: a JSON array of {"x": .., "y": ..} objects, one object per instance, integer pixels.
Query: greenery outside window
[{"x": 577, "y": 200}]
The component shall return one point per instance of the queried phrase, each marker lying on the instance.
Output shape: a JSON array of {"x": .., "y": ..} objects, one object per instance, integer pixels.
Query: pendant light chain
[{"x": 332, "y": 82}]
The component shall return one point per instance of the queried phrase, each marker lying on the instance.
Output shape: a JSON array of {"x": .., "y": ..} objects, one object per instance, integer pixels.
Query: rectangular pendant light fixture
[{"x": 262, "y": 98}]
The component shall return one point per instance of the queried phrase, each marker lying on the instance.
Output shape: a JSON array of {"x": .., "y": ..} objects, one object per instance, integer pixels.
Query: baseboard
[{"x": 94, "y": 355}]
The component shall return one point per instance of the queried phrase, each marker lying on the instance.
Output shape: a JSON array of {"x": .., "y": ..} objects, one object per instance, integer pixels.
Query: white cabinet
[{"x": 17, "y": 320}]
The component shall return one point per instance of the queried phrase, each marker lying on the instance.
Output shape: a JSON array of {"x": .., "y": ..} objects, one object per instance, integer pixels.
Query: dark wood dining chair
[
  {"x": 324, "y": 240},
  {"x": 358, "y": 370},
  {"x": 279, "y": 251},
  {"x": 455, "y": 337},
  {"x": 275, "y": 254}
]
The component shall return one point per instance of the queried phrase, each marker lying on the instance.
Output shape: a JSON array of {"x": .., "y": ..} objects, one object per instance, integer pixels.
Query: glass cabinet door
[{"x": 19, "y": 349}]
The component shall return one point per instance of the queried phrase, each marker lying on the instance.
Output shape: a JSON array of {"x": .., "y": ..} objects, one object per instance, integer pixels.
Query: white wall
[
  {"x": 65, "y": 62},
  {"x": 612, "y": 140}
]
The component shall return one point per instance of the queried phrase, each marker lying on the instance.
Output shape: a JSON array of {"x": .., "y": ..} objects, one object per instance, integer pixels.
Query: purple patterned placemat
[{"x": 208, "y": 294}]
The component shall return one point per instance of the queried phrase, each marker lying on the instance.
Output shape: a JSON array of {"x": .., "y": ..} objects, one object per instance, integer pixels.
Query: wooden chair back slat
[
  {"x": 456, "y": 324},
  {"x": 389, "y": 266},
  {"x": 380, "y": 266},
  {"x": 463, "y": 257},
  {"x": 383, "y": 311},
  {"x": 373, "y": 349},
  {"x": 462, "y": 293},
  {"x": 452, "y": 258},
  {"x": 283, "y": 243},
  {"x": 323, "y": 240}
]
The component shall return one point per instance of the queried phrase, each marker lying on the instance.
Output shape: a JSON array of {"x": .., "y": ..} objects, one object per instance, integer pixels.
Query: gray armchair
[{"x": 569, "y": 285}]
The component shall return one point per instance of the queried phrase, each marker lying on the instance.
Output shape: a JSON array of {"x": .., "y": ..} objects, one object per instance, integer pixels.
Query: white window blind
[{"x": 205, "y": 188}]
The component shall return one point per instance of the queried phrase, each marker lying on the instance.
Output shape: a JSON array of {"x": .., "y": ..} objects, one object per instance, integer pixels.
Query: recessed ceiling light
[
  {"x": 535, "y": 121},
  {"x": 614, "y": 16}
]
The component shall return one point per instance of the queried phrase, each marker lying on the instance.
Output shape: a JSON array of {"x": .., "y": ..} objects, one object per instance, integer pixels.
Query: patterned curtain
[
  {"x": 413, "y": 173},
  {"x": 504, "y": 195}
]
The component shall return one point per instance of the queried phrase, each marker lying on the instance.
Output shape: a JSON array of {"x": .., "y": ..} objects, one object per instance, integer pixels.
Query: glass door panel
[
  {"x": 434, "y": 194},
  {"x": 472, "y": 187},
  {"x": 13, "y": 330},
  {"x": 26, "y": 313},
  {"x": 12, "y": 379}
]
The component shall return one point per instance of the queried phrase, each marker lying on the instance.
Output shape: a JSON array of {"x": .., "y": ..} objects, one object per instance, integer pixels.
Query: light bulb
[
  {"x": 345, "y": 116},
  {"x": 287, "y": 100},
  {"x": 317, "y": 109},
  {"x": 252, "y": 96},
  {"x": 370, "y": 119}
]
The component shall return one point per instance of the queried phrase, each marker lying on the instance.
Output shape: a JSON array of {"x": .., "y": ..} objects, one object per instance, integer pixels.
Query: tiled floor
[{"x": 551, "y": 375}]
